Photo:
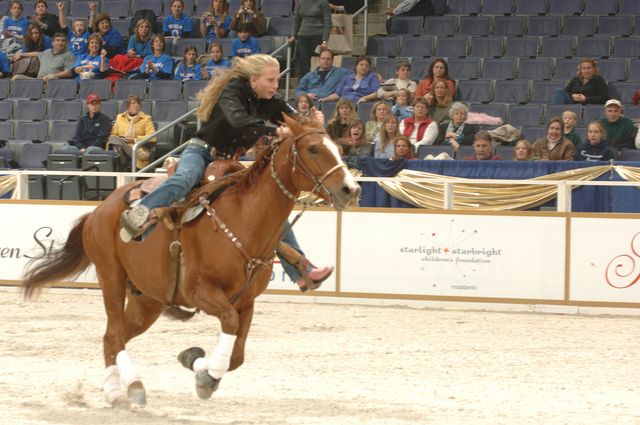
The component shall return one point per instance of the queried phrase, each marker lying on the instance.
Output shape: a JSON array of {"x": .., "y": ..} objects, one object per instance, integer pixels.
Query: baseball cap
[
  {"x": 612, "y": 102},
  {"x": 93, "y": 98}
]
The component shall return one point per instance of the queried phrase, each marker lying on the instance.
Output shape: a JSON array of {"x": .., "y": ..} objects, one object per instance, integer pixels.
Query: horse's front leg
[{"x": 237, "y": 358}]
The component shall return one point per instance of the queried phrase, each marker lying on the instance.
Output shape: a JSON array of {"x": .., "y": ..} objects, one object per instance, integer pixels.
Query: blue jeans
[
  {"x": 561, "y": 97},
  {"x": 70, "y": 149},
  {"x": 193, "y": 162}
]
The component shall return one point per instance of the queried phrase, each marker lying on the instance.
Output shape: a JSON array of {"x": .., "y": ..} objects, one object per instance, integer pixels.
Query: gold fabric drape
[{"x": 7, "y": 183}]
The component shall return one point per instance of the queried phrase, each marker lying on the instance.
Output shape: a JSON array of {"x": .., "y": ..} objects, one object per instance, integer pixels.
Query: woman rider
[{"x": 233, "y": 108}]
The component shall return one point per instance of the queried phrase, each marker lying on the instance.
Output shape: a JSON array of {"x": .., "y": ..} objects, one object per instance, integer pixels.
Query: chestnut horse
[{"x": 221, "y": 271}]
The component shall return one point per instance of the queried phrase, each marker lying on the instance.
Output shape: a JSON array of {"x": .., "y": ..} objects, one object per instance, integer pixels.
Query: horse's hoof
[
  {"x": 205, "y": 384},
  {"x": 137, "y": 395},
  {"x": 188, "y": 356}
]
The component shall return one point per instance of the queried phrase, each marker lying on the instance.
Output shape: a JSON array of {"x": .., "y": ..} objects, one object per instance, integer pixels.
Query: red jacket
[{"x": 410, "y": 124}]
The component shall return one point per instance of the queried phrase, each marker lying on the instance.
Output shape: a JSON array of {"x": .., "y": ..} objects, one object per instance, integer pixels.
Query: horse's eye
[{"x": 314, "y": 150}]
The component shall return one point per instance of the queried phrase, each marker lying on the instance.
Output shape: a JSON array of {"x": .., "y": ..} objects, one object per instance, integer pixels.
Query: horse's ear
[
  {"x": 292, "y": 123},
  {"x": 314, "y": 121}
]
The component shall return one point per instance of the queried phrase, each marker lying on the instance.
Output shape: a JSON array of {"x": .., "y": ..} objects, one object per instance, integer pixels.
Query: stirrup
[{"x": 128, "y": 231}]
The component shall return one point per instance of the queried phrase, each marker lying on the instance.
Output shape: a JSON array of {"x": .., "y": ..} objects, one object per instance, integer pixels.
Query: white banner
[
  {"x": 605, "y": 260},
  {"x": 453, "y": 255}
]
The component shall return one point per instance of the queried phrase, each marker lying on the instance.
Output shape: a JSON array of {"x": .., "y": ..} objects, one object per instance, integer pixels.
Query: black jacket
[
  {"x": 92, "y": 131},
  {"x": 595, "y": 91},
  {"x": 468, "y": 134},
  {"x": 239, "y": 118}
]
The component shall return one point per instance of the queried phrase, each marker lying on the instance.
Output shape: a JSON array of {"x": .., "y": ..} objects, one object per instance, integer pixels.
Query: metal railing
[{"x": 365, "y": 12}]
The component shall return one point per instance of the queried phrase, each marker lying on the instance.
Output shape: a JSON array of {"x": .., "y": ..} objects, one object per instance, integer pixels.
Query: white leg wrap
[
  {"x": 128, "y": 373},
  {"x": 218, "y": 361},
  {"x": 112, "y": 386}
]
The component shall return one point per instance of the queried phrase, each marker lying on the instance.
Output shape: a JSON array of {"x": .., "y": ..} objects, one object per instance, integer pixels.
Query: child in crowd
[
  {"x": 177, "y": 24},
  {"x": 343, "y": 116},
  {"x": 389, "y": 89},
  {"x": 403, "y": 149},
  {"x": 378, "y": 113},
  {"x": 304, "y": 103},
  {"x": 570, "y": 119},
  {"x": 217, "y": 61},
  {"x": 158, "y": 65},
  {"x": 403, "y": 109},
  {"x": 245, "y": 44},
  {"x": 36, "y": 41},
  {"x": 595, "y": 148},
  {"x": 15, "y": 25},
  {"x": 215, "y": 23},
  {"x": 355, "y": 145},
  {"x": 523, "y": 151},
  {"x": 383, "y": 143},
  {"x": 189, "y": 69},
  {"x": 78, "y": 34}
]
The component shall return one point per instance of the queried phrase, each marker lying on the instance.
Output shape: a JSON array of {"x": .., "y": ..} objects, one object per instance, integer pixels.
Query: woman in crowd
[
  {"x": 47, "y": 22},
  {"x": 249, "y": 16},
  {"x": 343, "y": 116},
  {"x": 403, "y": 149},
  {"x": 35, "y": 41},
  {"x": 78, "y": 34},
  {"x": 139, "y": 47},
  {"x": 378, "y": 113},
  {"x": 158, "y": 65},
  {"x": 523, "y": 151},
  {"x": 355, "y": 145},
  {"x": 440, "y": 102},
  {"x": 189, "y": 68},
  {"x": 177, "y": 24},
  {"x": 111, "y": 38},
  {"x": 383, "y": 143},
  {"x": 456, "y": 132},
  {"x": 94, "y": 64},
  {"x": 554, "y": 147},
  {"x": 419, "y": 128},
  {"x": 304, "y": 103},
  {"x": 359, "y": 86},
  {"x": 587, "y": 87},
  {"x": 130, "y": 127},
  {"x": 311, "y": 28},
  {"x": 215, "y": 23},
  {"x": 438, "y": 71},
  {"x": 217, "y": 61}
]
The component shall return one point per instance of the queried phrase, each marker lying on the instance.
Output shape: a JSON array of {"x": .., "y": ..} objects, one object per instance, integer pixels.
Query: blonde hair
[
  {"x": 249, "y": 66},
  {"x": 446, "y": 100},
  {"x": 385, "y": 137},
  {"x": 372, "y": 116},
  {"x": 335, "y": 119},
  {"x": 601, "y": 128}
]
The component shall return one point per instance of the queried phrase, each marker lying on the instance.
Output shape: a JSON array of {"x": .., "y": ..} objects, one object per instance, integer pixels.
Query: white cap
[{"x": 615, "y": 102}]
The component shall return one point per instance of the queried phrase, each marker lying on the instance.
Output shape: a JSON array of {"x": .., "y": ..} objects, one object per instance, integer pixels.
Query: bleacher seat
[
  {"x": 451, "y": 47},
  {"x": 179, "y": 44},
  {"x": 486, "y": 47},
  {"x": 512, "y": 92},
  {"x": 510, "y": 26},
  {"x": 328, "y": 109},
  {"x": 34, "y": 155},
  {"x": 479, "y": 91},
  {"x": 543, "y": 25},
  {"x": 125, "y": 88},
  {"x": 525, "y": 115},
  {"x": 165, "y": 89},
  {"x": 629, "y": 7},
  {"x": 226, "y": 44},
  {"x": 6, "y": 158},
  {"x": 593, "y": 47},
  {"x": 155, "y": 5},
  {"x": 626, "y": 47},
  {"x": 61, "y": 89},
  {"x": 65, "y": 110},
  {"x": 59, "y": 186},
  {"x": 272, "y": 7},
  {"x": 543, "y": 91},
  {"x": 557, "y": 47},
  {"x": 146, "y": 106},
  {"x": 31, "y": 110},
  {"x": 31, "y": 130},
  {"x": 592, "y": 113},
  {"x": 104, "y": 162},
  {"x": 613, "y": 69},
  {"x": 532, "y": 69},
  {"x": 614, "y": 25},
  {"x": 522, "y": 47},
  {"x": 122, "y": 26},
  {"x": 116, "y": 8},
  {"x": 6, "y": 110},
  {"x": 191, "y": 88},
  {"x": 474, "y": 25},
  {"x": 383, "y": 46},
  {"x": 600, "y": 7},
  {"x": 565, "y": 7},
  {"x": 440, "y": 26},
  {"x": 497, "y": 7},
  {"x": 349, "y": 62},
  {"x": 27, "y": 89},
  {"x": 464, "y": 7},
  {"x": 107, "y": 107},
  {"x": 100, "y": 87},
  {"x": 387, "y": 66},
  {"x": 166, "y": 111},
  {"x": 499, "y": 69},
  {"x": 62, "y": 131},
  {"x": 281, "y": 26},
  {"x": 80, "y": 9},
  {"x": 5, "y": 88},
  {"x": 417, "y": 46},
  {"x": 464, "y": 69},
  {"x": 493, "y": 109},
  {"x": 266, "y": 44},
  {"x": 622, "y": 91},
  {"x": 505, "y": 152},
  {"x": 552, "y": 111},
  {"x": 205, "y": 6},
  {"x": 565, "y": 69},
  {"x": 528, "y": 7},
  {"x": 634, "y": 70},
  {"x": 581, "y": 26},
  {"x": 402, "y": 25},
  {"x": 364, "y": 111},
  {"x": 533, "y": 133},
  {"x": 6, "y": 130},
  {"x": 435, "y": 150},
  {"x": 627, "y": 154},
  {"x": 419, "y": 68},
  {"x": 465, "y": 151}
]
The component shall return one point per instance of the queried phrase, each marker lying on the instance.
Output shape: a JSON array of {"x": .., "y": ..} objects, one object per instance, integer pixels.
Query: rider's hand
[{"x": 283, "y": 132}]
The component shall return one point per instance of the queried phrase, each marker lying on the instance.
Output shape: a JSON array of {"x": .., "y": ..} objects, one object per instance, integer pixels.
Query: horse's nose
[{"x": 352, "y": 192}]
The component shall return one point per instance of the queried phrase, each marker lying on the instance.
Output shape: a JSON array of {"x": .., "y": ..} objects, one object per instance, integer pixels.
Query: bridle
[{"x": 318, "y": 181}]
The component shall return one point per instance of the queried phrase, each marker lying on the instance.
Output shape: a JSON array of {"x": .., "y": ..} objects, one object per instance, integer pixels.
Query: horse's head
[{"x": 316, "y": 165}]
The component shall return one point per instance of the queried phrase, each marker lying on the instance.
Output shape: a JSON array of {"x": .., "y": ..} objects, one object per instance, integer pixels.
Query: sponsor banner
[
  {"x": 605, "y": 260},
  {"x": 495, "y": 256}
]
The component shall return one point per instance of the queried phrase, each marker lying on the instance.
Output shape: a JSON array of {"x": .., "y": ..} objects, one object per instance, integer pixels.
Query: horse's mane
[{"x": 250, "y": 179}]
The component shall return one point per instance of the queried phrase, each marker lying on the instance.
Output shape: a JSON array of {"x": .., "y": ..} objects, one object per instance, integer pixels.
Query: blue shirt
[
  {"x": 78, "y": 43},
  {"x": 113, "y": 39},
  {"x": 164, "y": 63},
  {"x": 211, "y": 66},
  {"x": 46, "y": 44},
  {"x": 353, "y": 90},
  {"x": 245, "y": 48},
  {"x": 4, "y": 64},
  {"x": 211, "y": 29},
  {"x": 319, "y": 84},
  {"x": 142, "y": 48},
  {"x": 93, "y": 60},
  {"x": 176, "y": 27},
  {"x": 185, "y": 73},
  {"x": 18, "y": 27}
]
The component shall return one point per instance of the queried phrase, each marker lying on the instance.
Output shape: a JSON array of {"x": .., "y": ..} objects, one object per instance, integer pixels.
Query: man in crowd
[
  {"x": 482, "y": 147},
  {"x": 55, "y": 62},
  {"x": 92, "y": 131},
  {"x": 621, "y": 132},
  {"x": 322, "y": 81}
]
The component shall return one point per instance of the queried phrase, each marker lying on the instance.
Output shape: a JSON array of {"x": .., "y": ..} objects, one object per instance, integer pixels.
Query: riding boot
[
  {"x": 312, "y": 276},
  {"x": 133, "y": 222}
]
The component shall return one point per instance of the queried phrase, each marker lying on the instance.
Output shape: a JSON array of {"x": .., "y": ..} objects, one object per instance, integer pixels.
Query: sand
[{"x": 328, "y": 364}]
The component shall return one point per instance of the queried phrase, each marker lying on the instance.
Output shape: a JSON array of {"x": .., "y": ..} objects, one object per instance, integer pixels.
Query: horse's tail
[{"x": 67, "y": 261}]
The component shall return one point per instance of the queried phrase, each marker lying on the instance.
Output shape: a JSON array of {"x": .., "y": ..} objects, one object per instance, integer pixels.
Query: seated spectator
[
  {"x": 569, "y": 118},
  {"x": 587, "y": 87},
  {"x": 78, "y": 35},
  {"x": 47, "y": 22},
  {"x": 456, "y": 132},
  {"x": 215, "y": 23},
  {"x": 383, "y": 143},
  {"x": 390, "y": 88},
  {"x": 595, "y": 148},
  {"x": 359, "y": 86},
  {"x": 217, "y": 61},
  {"x": 523, "y": 151},
  {"x": 409, "y": 8},
  {"x": 419, "y": 128},
  {"x": 35, "y": 41},
  {"x": 438, "y": 71},
  {"x": 130, "y": 127},
  {"x": 403, "y": 109},
  {"x": 138, "y": 48},
  {"x": 620, "y": 130},
  {"x": 403, "y": 149},
  {"x": 355, "y": 145},
  {"x": 15, "y": 25},
  {"x": 249, "y": 16},
  {"x": 55, "y": 62},
  {"x": 94, "y": 64},
  {"x": 92, "y": 131},
  {"x": 304, "y": 103},
  {"x": 554, "y": 147},
  {"x": 156, "y": 66},
  {"x": 111, "y": 38},
  {"x": 245, "y": 44},
  {"x": 322, "y": 81},
  {"x": 482, "y": 148},
  {"x": 177, "y": 24},
  {"x": 26, "y": 62},
  {"x": 378, "y": 113},
  {"x": 343, "y": 116},
  {"x": 5, "y": 67},
  {"x": 189, "y": 68},
  {"x": 440, "y": 102}
]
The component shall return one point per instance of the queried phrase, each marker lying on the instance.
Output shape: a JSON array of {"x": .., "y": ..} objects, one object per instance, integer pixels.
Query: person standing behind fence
[{"x": 311, "y": 28}]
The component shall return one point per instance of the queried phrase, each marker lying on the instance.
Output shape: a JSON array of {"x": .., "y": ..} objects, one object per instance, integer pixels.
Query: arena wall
[{"x": 400, "y": 254}]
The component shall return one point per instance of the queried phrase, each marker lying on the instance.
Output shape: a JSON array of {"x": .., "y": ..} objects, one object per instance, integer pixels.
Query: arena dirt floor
[{"x": 329, "y": 364}]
